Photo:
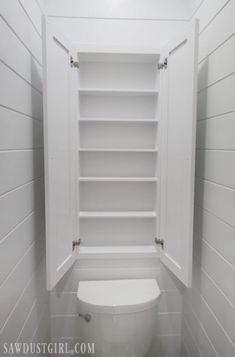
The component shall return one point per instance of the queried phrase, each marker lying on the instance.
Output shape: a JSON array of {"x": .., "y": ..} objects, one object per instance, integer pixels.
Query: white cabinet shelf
[
  {"x": 117, "y": 91},
  {"x": 117, "y": 150},
  {"x": 118, "y": 179},
  {"x": 116, "y": 120},
  {"x": 118, "y": 252},
  {"x": 120, "y": 214}
]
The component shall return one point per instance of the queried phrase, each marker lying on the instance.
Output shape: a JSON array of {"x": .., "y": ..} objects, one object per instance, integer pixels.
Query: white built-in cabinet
[{"x": 119, "y": 152}]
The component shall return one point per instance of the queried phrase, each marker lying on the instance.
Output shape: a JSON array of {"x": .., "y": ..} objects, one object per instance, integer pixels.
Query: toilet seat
[{"x": 118, "y": 296}]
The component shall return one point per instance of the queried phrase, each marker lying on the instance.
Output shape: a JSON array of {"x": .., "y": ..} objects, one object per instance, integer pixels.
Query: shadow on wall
[
  {"x": 193, "y": 294},
  {"x": 42, "y": 301}
]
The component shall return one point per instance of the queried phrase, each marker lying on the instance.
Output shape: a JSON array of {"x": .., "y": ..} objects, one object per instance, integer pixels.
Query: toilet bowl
[{"x": 118, "y": 316}]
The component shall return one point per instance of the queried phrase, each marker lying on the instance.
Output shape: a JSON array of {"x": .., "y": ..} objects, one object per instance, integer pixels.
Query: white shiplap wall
[
  {"x": 24, "y": 301},
  {"x": 209, "y": 307}
]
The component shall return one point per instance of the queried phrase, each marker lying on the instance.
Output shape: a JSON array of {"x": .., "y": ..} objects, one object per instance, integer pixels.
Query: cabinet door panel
[
  {"x": 177, "y": 152},
  {"x": 60, "y": 142}
]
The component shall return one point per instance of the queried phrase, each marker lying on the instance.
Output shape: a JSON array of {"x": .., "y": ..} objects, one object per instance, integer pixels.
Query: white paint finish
[
  {"x": 118, "y": 231},
  {"x": 69, "y": 282},
  {"x": 120, "y": 106},
  {"x": 117, "y": 135},
  {"x": 196, "y": 337},
  {"x": 16, "y": 17},
  {"x": 67, "y": 303},
  {"x": 35, "y": 290},
  {"x": 217, "y": 31},
  {"x": 22, "y": 279},
  {"x": 218, "y": 65},
  {"x": 216, "y": 166},
  {"x": 18, "y": 131},
  {"x": 209, "y": 306},
  {"x": 69, "y": 327},
  {"x": 117, "y": 32},
  {"x": 32, "y": 10},
  {"x": 13, "y": 286},
  {"x": 221, "y": 307},
  {"x": 217, "y": 99},
  {"x": 208, "y": 10},
  {"x": 117, "y": 214},
  {"x": 60, "y": 140},
  {"x": 26, "y": 66},
  {"x": 18, "y": 241},
  {"x": 150, "y": 9},
  {"x": 18, "y": 94},
  {"x": 115, "y": 196},
  {"x": 177, "y": 153},
  {"x": 115, "y": 164},
  {"x": 163, "y": 346},
  {"x": 168, "y": 324},
  {"x": 217, "y": 233},
  {"x": 217, "y": 268},
  {"x": 126, "y": 75},
  {"x": 212, "y": 329},
  {"x": 19, "y": 167},
  {"x": 217, "y": 199},
  {"x": 216, "y": 133},
  {"x": 18, "y": 204}
]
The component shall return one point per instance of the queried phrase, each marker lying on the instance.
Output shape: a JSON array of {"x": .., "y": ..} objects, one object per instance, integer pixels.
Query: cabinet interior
[{"x": 118, "y": 148}]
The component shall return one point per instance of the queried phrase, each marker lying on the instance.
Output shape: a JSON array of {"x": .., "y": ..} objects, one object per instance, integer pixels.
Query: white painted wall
[
  {"x": 209, "y": 307},
  {"x": 23, "y": 299},
  {"x": 119, "y": 23}
]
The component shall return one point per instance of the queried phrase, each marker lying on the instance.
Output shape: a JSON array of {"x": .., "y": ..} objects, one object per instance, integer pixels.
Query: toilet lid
[{"x": 117, "y": 296}]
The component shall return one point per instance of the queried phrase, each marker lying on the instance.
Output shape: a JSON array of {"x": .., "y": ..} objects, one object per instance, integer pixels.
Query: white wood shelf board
[
  {"x": 117, "y": 214},
  {"x": 143, "y": 54},
  {"x": 118, "y": 91},
  {"x": 118, "y": 179},
  {"x": 114, "y": 120},
  {"x": 117, "y": 150},
  {"x": 118, "y": 252}
]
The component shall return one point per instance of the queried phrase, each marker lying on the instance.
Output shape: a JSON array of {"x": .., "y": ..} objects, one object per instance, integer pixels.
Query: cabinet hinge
[
  {"x": 159, "y": 242},
  {"x": 163, "y": 65},
  {"x": 73, "y": 63},
  {"x": 76, "y": 243}
]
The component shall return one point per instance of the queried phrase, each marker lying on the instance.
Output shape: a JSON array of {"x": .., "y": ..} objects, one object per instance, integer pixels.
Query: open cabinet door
[
  {"x": 177, "y": 152},
  {"x": 60, "y": 153}
]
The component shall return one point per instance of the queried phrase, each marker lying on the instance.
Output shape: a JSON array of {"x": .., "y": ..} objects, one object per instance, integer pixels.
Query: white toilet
[{"x": 118, "y": 316}]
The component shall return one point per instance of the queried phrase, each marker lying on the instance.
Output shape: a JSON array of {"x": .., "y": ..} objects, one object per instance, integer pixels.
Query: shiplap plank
[
  {"x": 15, "y": 245},
  {"x": 24, "y": 64},
  {"x": 217, "y": 99},
  {"x": 218, "y": 65},
  {"x": 222, "y": 27},
  {"x": 18, "y": 94},
  {"x": 217, "y": 199},
  {"x": 15, "y": 283},
  {"x": 15, "y": 16},
  {"x": 216, "y": 166},
  {"x": 217, "y": 133},
  {"x": 217, "y": 233},
  {"x": 160, "y": 9},
  {"x": 18, "y": 204},
  {"x": 18, "y": 131},
  {"x": 216, "y": 267},
  {"x": 34, "y": 13},
  {"x": 221, "y": 307},
  {"x": 208, "y": 11},
  {"x": 24, "y": 296},
  {"x": 19, "y": 167},
  {"x": 205, "y": 330}
]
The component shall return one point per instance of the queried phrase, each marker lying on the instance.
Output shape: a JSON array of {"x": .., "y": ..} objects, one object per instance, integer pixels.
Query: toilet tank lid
[{"x": 118, "y": 293}]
